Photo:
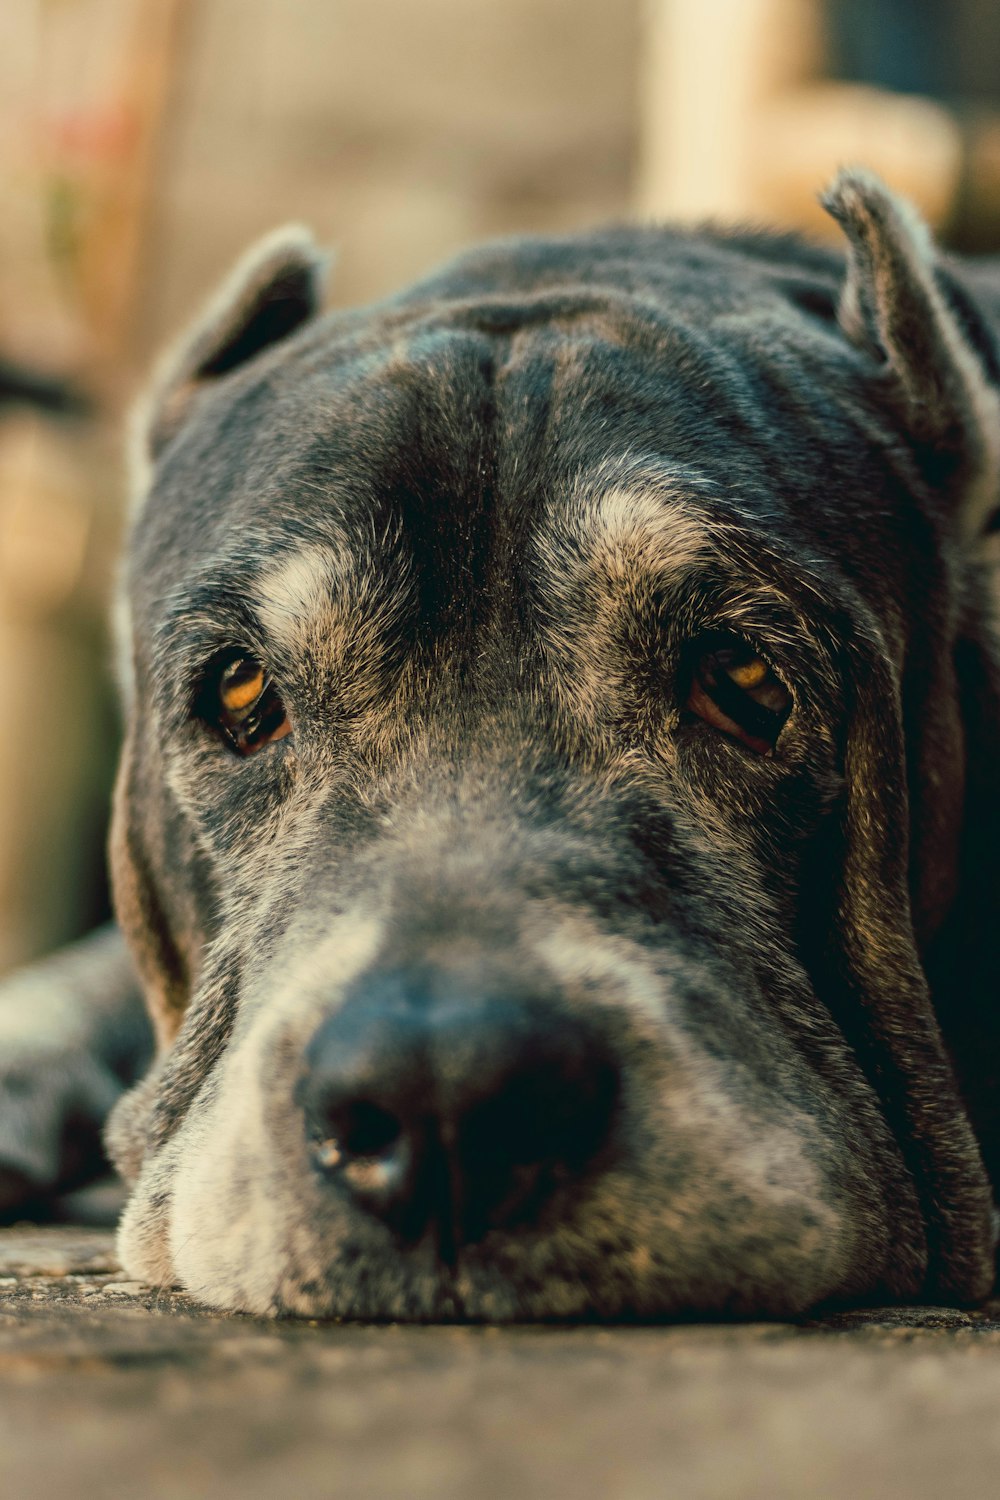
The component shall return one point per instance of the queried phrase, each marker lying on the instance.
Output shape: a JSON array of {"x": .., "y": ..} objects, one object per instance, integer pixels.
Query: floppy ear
[
  {"x": 899, "y": 305},
  {"x": 890, "y": 1017},
  {"x": 165, "y": 920},
  {"x": 273, "y": 289},
  {"x": 906, "y": 750}
]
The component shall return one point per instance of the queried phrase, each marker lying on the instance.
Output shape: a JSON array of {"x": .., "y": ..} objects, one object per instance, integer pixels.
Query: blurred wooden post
[
  {"x": 738, "y": 123},
  {"x": 708, "y": 66},
  {"x": 110, "y": 254},
  {"x": 84, "y": 167}
]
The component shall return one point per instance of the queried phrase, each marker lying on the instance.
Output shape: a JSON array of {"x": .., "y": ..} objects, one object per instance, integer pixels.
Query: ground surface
[{"x": 109, "y": 1389}]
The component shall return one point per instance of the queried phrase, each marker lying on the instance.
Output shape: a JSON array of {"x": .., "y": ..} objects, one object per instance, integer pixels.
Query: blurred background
[{"x": 144, "y": 142}]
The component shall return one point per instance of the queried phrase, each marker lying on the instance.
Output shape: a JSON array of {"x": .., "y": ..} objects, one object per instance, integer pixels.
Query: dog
[{"x": 556, "y": 836}]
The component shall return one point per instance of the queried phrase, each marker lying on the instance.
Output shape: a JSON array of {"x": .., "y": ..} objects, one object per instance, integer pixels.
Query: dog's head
[{"x": 545, "y": 782}]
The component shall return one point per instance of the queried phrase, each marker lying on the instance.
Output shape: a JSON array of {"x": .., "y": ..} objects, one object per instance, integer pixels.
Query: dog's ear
[
  {"x": 920, "y": 873},
  {"x": 900, "y": 306},
  {"x": 871, "y": 977},
  {"x": 273, "y": 289},
  {"x": 163, "y": 918}
]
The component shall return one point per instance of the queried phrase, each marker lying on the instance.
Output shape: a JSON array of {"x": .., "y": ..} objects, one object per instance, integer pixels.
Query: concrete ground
[{"x": 110, "y": 1389}]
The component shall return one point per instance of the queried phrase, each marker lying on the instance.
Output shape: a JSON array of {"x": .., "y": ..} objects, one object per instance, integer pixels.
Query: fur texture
[{"x": 477, "y": 534}]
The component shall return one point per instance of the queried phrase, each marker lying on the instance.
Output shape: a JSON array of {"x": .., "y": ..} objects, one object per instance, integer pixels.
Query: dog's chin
[
  {"x": 709, "y": 1197},
  {"x": 617, "y": 1256},
  {"x": 728, "y": 1217}
]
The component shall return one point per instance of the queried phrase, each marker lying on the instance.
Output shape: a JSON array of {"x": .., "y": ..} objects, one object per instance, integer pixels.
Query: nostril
[
  {"x": 460, "y": 1112},
  {"x": 371, "y": 1152},
  {"x": 363, "y": 1128}
]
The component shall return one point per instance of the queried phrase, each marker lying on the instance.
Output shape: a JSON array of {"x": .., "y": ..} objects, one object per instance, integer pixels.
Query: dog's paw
[
  {"x": 55, "y": 1094},
  {"x": 52, "y": 1108}
]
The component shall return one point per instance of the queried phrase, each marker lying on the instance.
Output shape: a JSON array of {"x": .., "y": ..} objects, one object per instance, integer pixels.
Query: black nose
[{"x": 444, "y": 1110}]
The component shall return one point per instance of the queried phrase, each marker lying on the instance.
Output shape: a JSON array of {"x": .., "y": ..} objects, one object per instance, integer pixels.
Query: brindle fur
[{"x": 474, "y": 531}]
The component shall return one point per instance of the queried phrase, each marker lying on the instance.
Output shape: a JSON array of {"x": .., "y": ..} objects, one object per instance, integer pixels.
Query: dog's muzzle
[{"x": 446, "y": 1108}]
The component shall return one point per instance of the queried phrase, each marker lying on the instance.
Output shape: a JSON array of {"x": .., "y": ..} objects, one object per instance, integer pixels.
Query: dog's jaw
[{"x": 723, "y": 1212}]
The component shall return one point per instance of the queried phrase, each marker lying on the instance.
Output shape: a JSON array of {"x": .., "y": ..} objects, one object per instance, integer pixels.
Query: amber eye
[
  {"x": 243, "y": 702},
  {"x": 736, "y": 691}
]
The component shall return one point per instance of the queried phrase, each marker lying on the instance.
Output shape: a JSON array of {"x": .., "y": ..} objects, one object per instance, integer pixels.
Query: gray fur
[{"x": 474, "y": 532}]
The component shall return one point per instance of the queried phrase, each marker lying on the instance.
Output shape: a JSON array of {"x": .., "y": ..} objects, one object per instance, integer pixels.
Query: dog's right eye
[
  {"x": 737, "y": 692},
  {"x": 240, "y": 700}
]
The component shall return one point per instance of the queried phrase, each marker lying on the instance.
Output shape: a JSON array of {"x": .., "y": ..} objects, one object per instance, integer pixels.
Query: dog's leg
[{"x": 73, "y": 1035}]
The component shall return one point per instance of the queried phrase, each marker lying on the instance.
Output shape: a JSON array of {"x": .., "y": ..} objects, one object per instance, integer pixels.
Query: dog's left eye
[
  {"x": 245, "y": 705},
  {"x": 736, "y": 691}
]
